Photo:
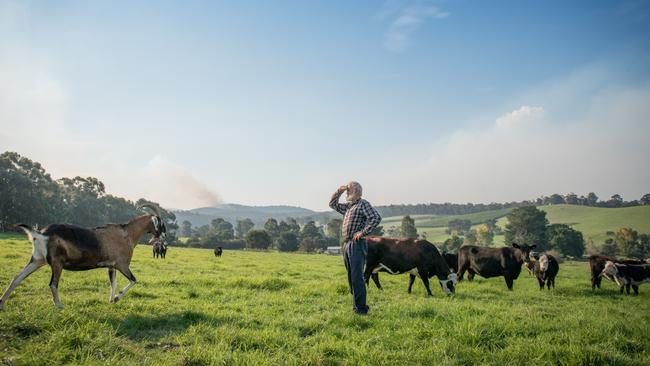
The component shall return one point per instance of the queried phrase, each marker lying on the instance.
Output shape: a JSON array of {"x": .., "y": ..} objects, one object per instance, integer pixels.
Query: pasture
[
  {"x": 274, "y": 308},
  {"x": 593, "y": 222}
]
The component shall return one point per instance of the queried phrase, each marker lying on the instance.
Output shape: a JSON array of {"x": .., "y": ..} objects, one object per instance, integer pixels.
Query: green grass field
[
  {"x": 594, "y": 222},
  {"x": 273, "y": 308}
]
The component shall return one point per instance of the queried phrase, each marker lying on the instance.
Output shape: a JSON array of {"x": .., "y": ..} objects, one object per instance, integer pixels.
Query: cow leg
[
  {"x": 367, "y": 274},
  {"x": 411, "y": 280},
  {"x": 375, "y": 279},
  {"x": 470, "y": 275},
  {"x": 30, "y": 268},
  {"x": 621, "y": 289},
  {"x": 636, "y": 289},
  {"x": 57, "y": 269},
  {"x": 541, "y": 283},
  {"x": 461, "y": 271},
  {"x": 627, "y": 288},
  {"x": 548, "y": 284},
  {"x": 424, "y": 276},
  {"x": 509, "y": 282}
]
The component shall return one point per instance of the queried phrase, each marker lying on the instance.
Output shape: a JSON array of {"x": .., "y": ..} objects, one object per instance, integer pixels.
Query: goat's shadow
[{"x": 155, "y": 327}]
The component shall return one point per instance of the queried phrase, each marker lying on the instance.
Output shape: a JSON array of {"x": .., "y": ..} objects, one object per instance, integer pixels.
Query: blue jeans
[{"x": 354, "y": 257}]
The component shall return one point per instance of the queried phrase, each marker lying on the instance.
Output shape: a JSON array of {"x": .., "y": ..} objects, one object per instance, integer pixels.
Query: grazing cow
[
  {"x": 597, "y": 264},
  {"x": 546, "y": 268},
  {"x": 452, "y": 261},
  {"x": 218, "y": 251},
  {"x": 417, "y": 257},
  {"x": 626, "y": 275},
  {"x": 159, "y": 247},
  {"x": 493, "y": 262}
]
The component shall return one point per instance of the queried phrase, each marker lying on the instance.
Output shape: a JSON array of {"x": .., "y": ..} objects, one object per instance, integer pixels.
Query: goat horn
[{"x": 151, "y": 207}]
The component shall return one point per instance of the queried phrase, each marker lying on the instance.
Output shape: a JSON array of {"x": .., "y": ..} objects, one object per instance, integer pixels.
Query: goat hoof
[{"x": 116, "y": 299}]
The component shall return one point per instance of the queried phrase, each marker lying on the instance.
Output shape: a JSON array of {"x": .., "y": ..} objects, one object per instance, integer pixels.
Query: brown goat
[{"x": 74, "y": 248}]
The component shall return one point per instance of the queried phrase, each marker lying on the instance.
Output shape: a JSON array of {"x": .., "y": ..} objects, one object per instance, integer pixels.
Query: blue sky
[{"x": 191, "y": 103}]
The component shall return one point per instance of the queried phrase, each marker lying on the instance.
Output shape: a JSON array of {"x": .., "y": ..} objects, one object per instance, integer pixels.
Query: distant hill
[
  {"x": 595, "y": 222},
  {"x": 259, "y": 214}
]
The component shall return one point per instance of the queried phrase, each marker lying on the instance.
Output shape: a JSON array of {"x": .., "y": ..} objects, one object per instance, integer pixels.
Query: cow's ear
[
  {"x": 515, "y": 245},
  {"x": 533, "y": 246}
]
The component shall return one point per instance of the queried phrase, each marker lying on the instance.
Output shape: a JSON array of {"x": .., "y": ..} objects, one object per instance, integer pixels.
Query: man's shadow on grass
[{"x": 155, "y": 327}]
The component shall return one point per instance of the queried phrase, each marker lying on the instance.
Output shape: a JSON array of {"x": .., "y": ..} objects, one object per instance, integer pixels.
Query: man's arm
[
  {"x": 373, "y": 217},
  {"x": 335, "y": 205}
]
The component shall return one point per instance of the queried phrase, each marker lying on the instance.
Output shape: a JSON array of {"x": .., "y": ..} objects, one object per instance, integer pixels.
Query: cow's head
[
  {"x": 525, "y": 250},
  {"x": 449, "y": 285},
  {"x": 543, "y": 263},
  {"x": 610, "y": 270}
]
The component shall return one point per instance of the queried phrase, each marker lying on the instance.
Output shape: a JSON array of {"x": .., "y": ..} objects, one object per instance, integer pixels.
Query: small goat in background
[{"x": 74, "y": 248}]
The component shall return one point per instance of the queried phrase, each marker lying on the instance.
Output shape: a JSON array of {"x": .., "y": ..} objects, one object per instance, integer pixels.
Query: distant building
[{"x": 333, "y": 250}]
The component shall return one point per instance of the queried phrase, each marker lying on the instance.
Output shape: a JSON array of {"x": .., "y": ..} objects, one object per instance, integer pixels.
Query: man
[{"x": 358, "y": 221}]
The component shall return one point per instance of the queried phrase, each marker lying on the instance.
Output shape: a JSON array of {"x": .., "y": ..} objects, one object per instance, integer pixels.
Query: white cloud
[
  {"x": 408, "y": 20},
  {"x": 603, "y": 149},
  {"x": 522, "y": 115}
]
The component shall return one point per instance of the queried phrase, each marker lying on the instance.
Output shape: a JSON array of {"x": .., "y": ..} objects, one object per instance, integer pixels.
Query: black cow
[
  {"x": 452, "y": 261},
  {"x": 546, "y": 268},
  {"x": 218, "y": 251},
  {"x": 597, "y": 264},
  {"x": 493, "y": 262},
  {"x": 417, "y": 257},
  {"x": 627, "y": 275}
]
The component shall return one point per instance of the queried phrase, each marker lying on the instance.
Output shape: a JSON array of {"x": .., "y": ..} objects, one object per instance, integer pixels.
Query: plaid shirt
[{"x": 357, "y": 216}]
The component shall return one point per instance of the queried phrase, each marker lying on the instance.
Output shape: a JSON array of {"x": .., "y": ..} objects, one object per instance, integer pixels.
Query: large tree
[
  {"x": 310, "y": 230},
  {"x": 287, "y": 242},
  {"x": 645, "y": 200},
  {"x": 592, "y": 199},
  {"x": 566, "y": 240},
  {"x": 221, "y": 230},
  {"x": 186, "y": 229},
  {"x": 258, "y": 239},
  {"x": 333, "y": 229},
  {"x": 571, "y": 199},
  {"x": 243, "y": 227},
  {"x": 628, "y": 244},
  {"x": 271, "y": 227},
  {"x": 527, "y": 225},
  {"x": 408, "y": 229},
  {"x": 556, "y": 199},
  {"x": 484, "y": 234}
]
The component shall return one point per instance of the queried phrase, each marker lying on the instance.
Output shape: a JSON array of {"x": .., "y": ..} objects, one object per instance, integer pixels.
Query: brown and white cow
[
  {"x": 546, "y": 269},
  {"x": 627, "y": 275},
  {"x": 597, "y": 264}
]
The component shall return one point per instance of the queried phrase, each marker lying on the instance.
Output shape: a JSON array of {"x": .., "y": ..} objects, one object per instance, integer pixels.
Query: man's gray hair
[
  {"x": 356, "y": 186},
  {"x": 354, "y": 191}
]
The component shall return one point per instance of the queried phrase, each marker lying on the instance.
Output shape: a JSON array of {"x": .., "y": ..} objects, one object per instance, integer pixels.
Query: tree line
[
  {"x": 590, "y": 199},
  {"x": 285, "y": 236},
  {"x": 29, "y": 195}
]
